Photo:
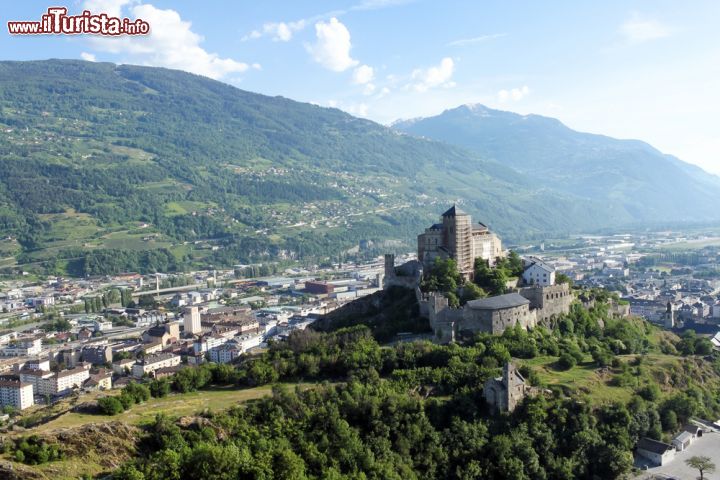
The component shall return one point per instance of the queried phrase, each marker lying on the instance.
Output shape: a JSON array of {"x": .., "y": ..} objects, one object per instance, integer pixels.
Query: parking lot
[{"x": 708, "y": 445}]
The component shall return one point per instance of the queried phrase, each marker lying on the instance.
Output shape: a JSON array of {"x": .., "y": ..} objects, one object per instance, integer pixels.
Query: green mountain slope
[
  {"x": 99, "y": 157},
  {"x": 629, "y": 174}
]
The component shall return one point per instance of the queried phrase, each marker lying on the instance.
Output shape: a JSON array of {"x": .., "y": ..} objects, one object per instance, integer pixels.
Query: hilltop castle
[
  {"x": 538, "y": 301},
  {"x": 456, "y": 237}
]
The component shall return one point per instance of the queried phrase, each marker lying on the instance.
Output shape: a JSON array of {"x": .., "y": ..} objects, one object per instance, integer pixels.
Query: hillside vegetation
[
  {"x": 416, "y": 410},
  {"x": 149, "y": 168}
]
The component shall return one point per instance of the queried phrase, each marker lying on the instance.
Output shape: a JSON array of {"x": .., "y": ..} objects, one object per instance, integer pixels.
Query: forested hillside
[
  {"x": 413, "y": 410},
  {"x": 113, "y": 160}
]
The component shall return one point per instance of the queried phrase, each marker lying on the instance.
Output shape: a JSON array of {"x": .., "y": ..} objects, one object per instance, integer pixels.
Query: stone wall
[
  {"x": 448, "y": 323},
  {"x": 496, "y": 321},
  {"x": 548, "y": 301},
  {"x": 407, "y": 275}
]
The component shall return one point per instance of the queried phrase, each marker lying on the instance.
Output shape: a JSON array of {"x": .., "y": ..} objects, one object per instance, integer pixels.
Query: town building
[
  {"x": 656, "y": 452},
  {"x": 97, "y": 355},
  {"x": 23, "y": 347},
  {"x": 70, "y": 357},
  {"x": 149, "y": 364},
  {"x": 538, "y": 272},
  {"x": 123, "y": 367},
  {"x": 56, "y": 383},
  {"x": 191, "y": 321},
  {"x": 7, "y": 336},
  {"x": 209, "y": 342},
  {"x": 319, "y": 288},
  {"x": 456, "y": 237},
  {"x": 102, "y": 380},
  {"x": 225, "y": 353},
  {"x": 16, "y": 393},
  {"x": 166, "y": 333}
]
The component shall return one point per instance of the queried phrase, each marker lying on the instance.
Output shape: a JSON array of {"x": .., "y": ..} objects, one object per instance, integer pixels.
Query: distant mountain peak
[{"x": 630, "y": 175}]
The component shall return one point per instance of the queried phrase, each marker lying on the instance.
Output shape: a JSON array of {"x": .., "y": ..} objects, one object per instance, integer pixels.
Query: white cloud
[
  {"x": 357, "y": 109},
  {"x": 440, "y": 75},
  {"x": 363, "y": 74},
  {"x": 378, "y": 4},
  {"x": 272, "y": 28},
  {"x": 88, "y": 57},
  {"x": 514, "y": 94},
  {"x": 369, "y": 89},
  {"x": 383, "y": 92},
  {"x": 171, "y": 43},
  {"x": 332, "y": 48},
  {"x": 637, "y": 30},
  {"x": 279, "y": 31},
  {"x": 469, "y": 41},
  {"x": 113, "y": 8}
]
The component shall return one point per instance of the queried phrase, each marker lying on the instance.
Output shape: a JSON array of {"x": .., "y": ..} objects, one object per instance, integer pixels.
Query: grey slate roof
[
  {"x": 453, "y": 211},
  {"x": 499, "y": 302},
  {"x": 654, "y": 446}
]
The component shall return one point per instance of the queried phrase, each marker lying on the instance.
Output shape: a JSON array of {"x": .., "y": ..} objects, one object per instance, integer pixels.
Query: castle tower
[
  {"x": 508, "y": 369},
  {"x": 389, "y": 265},
  {"x": 669, "y": 317},
  {"x": 514, "y": 384},
  {"x": 458, "y": 238},
  {"x": 191, "y": 321}
]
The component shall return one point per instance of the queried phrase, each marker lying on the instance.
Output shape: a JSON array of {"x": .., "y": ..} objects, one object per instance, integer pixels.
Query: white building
[
  {"x": 100, "y": 325},
  {"x": 37, "y": 364},
  {"x": 16, "y": 393},
  {"x": 191, "y": 320},
  {"x": 247, "y": 342},
  {"x": 23, "y": 347},
  {"x": 153, "y": 362},
  {"x": 208, "y": 342},
  {"x": 124, "y": 366},
  {"x": 66, "y": 380},
  {"x": 538, "y": 272},
  {"x": 225, "y": 353},
  {"x": 658, "y": 453},
  {"x": 7, "y": 336},
  {"x": 50, "y": 383}
]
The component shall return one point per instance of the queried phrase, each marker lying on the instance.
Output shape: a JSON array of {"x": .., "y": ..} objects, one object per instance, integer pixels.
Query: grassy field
[
  {"x": 175, "y": 405},
  {"x": 125, "y": 240},
  {"x": 91, "y": 463},
  {"x": 696, "y": 244},
  {"x": 587, "y": 378},
  {"x": 584, "y": 377}
]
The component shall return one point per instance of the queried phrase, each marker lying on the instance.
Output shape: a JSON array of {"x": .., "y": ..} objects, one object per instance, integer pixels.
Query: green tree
[
  {"x": 566, "y": 361},
  {"x": 470, "y": 291},
  {"x": 110, "y": 406},
  {"x": 702, "y": 463}
]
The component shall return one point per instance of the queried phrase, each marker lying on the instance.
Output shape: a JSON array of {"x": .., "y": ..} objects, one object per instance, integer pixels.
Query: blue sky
[{"x": 628, "y": 69}]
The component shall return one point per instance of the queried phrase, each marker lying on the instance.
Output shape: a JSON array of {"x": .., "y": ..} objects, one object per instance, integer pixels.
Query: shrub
[
  {"x": 566, "y": 361},
  {"x": 110, "y": 406}
]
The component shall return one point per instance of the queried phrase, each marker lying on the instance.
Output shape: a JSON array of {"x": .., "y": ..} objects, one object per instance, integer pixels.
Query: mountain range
[
  {"x": 104, "y": 164},
  {"x": 631, "y": 177}
]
